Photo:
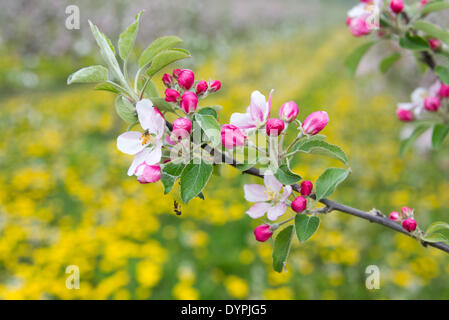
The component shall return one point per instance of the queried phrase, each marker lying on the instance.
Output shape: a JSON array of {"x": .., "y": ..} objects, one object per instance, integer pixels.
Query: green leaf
[
  {"x": 125, "y": 109},
  {"x": 440, "y": 132},
  {"x": 208, "y": 111},
  {"x": 437, "y": 226},
  {"x": 161, "y": 104},
  {"x": 413, "y": 42},
  {"x": 406, "y": 143},
  {"x": 329, "y": 180},
  {"x": 170, "y": 173},
  {"x": 107, "y": 52},
  {"x": 353, "y": 60},
  {"x": 436, "y": 6},
  {"x": 194, "y": 178},
  {"x": 298, "y": 145},
  {"x": 435, "y": 237},
  {"x": 281, "y": 249},
  {"x": 432, "y": 30},
  {"x": 165, "y": 58},
  {"x": 128, "y": 37},
  {"x": 323, "y": 148},
  {"x": 151, "y": 90},
  {"x": 156, "y": 47},
  {"x": 285, "y": 176},
  {"x": 442, "y": 73},
  {"x": 89, "y": 74},
  {"x": 108, "y": 86},
  {"x": 388, "y": 62},
  {"x": 210, "y": 126},
  {"x": 306, "y": 226},
  {"x": 244, "y": 166}
]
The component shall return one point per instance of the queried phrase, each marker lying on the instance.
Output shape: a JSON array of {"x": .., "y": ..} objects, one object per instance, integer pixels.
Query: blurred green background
[{"x": 65, "y": 198}]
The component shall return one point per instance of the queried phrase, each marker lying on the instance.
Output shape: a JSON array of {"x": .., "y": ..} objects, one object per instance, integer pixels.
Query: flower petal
[
  {"x": 286, "y": 193},
  {"x": 276, "y": 211},
  {"x": 149, "y": 118},
  {"x": 242, "y": 120},
  {"x": 268, "y": 110},
  {"x": 149, "y": 155},
  {"x": 258, "y": 106},
  {"x": 258, "y": 210},
  {"x": 255, "y": 193},
  {"x": 130, "y": 143},
  {"x": 272, "y": 183}
]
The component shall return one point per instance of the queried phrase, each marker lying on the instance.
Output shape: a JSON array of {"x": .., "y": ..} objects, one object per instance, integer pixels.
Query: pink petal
[
  {"x": 254, "y": 192},
  {"x": 149, "y": 155},
  {"x": 270, "y": 99},
  {"x": 276, "y": 211},
  {"x": 242, "y": 120},
  {"x": 286, "y": 193},
  {"x": 258, "y": 210},
  {"x": 272, "y": 183},
  {"x": 130, "y": 143},
  {"x": 149, "y": 118},
  {"x": 258, "y": 106}
]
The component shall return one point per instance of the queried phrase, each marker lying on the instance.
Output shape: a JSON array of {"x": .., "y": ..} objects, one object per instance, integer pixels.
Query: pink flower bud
[
  {"x": 394, "y": 216},
  {"x": 214, "y": 86},
  {"x": 348, "y": 21},
  {"x": 289, "y": 111},
  {"x": 176, "y": 73},
  {"x": 409, "y": 224},
  {"x": 147, "y": 174},
  {"x": 444, "y": 91},
  {"x": 167, "y": 80},
  {"x": 182, "y": 128},
  {"x": 359, "y": 27},
  {"x": 432, "y": 103},
  {"x": 396, "y": 6},
  {"x": 306, "y": 188},
  {"x": 189, "y": 101},
  {"x": 274, "y": 127},
  {"x": 315, "y": 122},
  {"x": 299, "y": 204},
  {"x": 423, "y": 3},
  {"x": 186, "y": 78},
  {"x": 171, "y": 95},
  {"x": 406, "y": 212},
  {"x": 263, "y": 232},
  {"x": 201, "y": 87},
  {"x": 435, "y": 44},
  {"x": 404, "y": 115},
  {"x": 231, "y": 136}
]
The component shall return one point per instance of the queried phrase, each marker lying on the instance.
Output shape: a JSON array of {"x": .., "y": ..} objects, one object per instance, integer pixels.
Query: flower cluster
[
  {"x": 423, "y": 102},
  {"x": 184, "y": 92},
  {"x": 405, "y": 218}
]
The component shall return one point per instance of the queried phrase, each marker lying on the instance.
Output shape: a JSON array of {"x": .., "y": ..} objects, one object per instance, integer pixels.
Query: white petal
[
  {"x": 418, "y": 95},
  {"x": 272, "y": 183},
  {"x": 149, "y": 118},
  {"x": 276, "y": 211},
  {"x": 406, "y": 105},
  {"x": 268, "y": 109},
  {"x": 255, "y": 193},
  {"x": 357, "y": 11},
  {"x": 258, "y": 210},
  {"x": 258, "y": 106},
  {"x": 433, "y": 90},
  {"x": 286, "y": 193},
  {"x": 242, "y": 120},
  {"x": 130, "y": 143},
  {"x": 150, "y": 155}
]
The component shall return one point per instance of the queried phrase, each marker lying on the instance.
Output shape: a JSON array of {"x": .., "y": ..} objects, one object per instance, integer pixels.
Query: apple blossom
[
  {"x": 432, "y": 103},
  {"x": 181, "y": 128},
  {"x": 263, "y": 232},
  {"x": 435, "y": 44},
  {"x": 409, "y": 224},
  {"x": 147, "y": 174},
  {"x": 201, "y": 87},
  {"x": 146, "y": 147},
  {"x": 167, "y": 80},
  {"x": 299, "y": 204},
  {"x": 176, "y": 73},
  {"x": 270, "y": 199},
  {"x": 315, "y": 122},
  {"x": 289, "y": 111},
  {"x": 306, "y": 187},
  {"x": 274, "y": 127},
  {"x": 214, "y": 86},
  {"x": 189, "y": 101},
  {"x": 396, "y": 6},
  {"x": 443, "y": 92},
  {"x": 171, "y": 95},
  {"x": 394, "y": 216},
  {"x": 406, "y": 212},
  {"x": 405, "y": 115},
  {"x": 359, "y": 27},
  {"x": 186, "y": 78},
  {"x": 256, "y": 114},
  {"x": 231, "y": 136}
]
